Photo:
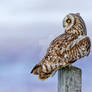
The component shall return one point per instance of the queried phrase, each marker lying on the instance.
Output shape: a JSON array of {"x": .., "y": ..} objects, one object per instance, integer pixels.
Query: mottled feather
[{"x": 65, "y": 49}]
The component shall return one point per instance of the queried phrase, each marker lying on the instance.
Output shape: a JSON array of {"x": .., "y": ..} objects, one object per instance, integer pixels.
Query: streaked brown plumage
[{"x": 66, "y": 48}]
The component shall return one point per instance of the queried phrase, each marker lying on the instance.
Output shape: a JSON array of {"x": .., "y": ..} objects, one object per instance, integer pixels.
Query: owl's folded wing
[
  {"x": 62, "y": 43},
  {"x": 79, "y": 50},
  {"x": 64, "y": 52}
]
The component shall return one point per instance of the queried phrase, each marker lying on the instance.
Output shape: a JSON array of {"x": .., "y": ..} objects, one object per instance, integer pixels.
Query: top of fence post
[{"x": 69, "y": 79}]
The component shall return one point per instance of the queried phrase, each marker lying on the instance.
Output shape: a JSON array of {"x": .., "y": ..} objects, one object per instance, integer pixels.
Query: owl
[{"x": 65, "y": 49}]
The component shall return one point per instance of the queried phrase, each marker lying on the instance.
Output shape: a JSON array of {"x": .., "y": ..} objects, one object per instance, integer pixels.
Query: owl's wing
[
  {"x": 64, "y": 50},
  {"x": 61, "y": 44}
]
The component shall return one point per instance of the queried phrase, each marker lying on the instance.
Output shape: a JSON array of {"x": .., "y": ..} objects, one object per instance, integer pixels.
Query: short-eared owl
[{"x": 65, "y": 49}]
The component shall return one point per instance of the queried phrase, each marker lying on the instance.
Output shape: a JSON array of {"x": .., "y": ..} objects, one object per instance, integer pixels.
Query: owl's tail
[{"x": 37, "y": 70}]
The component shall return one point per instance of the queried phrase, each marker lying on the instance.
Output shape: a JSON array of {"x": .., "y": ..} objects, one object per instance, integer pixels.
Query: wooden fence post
[{"x": 69, "y": 79}]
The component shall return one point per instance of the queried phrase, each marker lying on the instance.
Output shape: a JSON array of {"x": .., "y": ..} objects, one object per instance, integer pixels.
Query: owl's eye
[{"x": 68, "y": 20}]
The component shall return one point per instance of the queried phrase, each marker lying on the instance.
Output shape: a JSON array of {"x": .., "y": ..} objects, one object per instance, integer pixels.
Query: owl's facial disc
[{"x": 68, "y": 22}]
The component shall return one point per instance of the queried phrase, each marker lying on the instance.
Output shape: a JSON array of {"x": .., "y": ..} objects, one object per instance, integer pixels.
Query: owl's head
[{"x": 73, "y": 23}]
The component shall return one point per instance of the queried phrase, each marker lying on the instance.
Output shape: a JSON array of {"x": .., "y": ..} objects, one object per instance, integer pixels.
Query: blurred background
[{"x": 26, "y": 29}]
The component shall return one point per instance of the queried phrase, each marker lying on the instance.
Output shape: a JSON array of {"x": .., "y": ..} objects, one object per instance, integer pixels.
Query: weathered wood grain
[{"x": 69, "y": 79}]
